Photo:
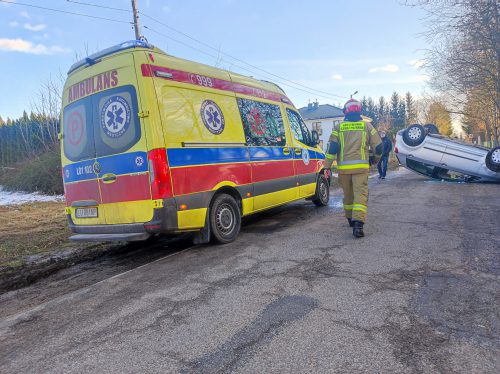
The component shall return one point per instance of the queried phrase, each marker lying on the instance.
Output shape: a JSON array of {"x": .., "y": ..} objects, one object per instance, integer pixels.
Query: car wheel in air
[
  {"x": 431, "y": 128},
  {"x": 414, "y": 135},
  {"x": 322, "y": 195},
  {"x": 225, "y": 219},
  {"x": 493, "y": 160}
]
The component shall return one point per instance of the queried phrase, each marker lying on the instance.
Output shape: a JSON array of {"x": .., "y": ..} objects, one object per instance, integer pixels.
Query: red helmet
[{"x": 352, "y": 106}]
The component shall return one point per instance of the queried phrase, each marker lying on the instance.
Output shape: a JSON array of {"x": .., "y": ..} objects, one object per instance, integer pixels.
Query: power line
[
  {"x": 65, "y": 12},
  {"x": 99, "y": 6},
  {"x": 308, "y": 89},
  {"x": 290, "y": 83},
  {"x": 235, "y": 58},
  {"x": 216, "y": 57}
]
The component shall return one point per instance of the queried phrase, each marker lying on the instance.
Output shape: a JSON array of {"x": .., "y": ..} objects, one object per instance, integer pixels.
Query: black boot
[
  {"x": 351, "y": 224},
  {"x": 357, "y": 230}
]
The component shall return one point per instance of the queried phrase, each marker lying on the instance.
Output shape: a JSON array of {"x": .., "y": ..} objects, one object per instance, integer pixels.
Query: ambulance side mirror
[{"x": 315, "y": 138}]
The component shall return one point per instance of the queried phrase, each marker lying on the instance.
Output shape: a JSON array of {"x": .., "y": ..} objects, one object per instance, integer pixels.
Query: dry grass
[{"x": 30, "y": 229}]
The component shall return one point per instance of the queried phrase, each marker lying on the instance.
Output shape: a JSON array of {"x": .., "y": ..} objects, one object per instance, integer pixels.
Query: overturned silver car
[{"x": 423, "y": 150}]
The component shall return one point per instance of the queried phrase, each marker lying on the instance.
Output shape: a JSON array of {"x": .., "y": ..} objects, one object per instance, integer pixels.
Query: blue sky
[{"x": 333, "y": 46}]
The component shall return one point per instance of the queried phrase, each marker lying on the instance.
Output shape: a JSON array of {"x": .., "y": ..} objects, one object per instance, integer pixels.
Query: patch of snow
[{"x": 17, "y": 198}]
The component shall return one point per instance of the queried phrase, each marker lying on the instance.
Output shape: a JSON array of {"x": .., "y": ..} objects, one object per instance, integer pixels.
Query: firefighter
[{"x": 351, "y": 144}]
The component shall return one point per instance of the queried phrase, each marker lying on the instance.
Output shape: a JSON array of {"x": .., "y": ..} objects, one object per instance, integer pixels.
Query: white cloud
[
  {"x": 7, "y": 2},
  {"x": 337, "y": 77},
  {"x": 36, "y": 28},
  {"x": 25, "y": 14},
  {"x": 13, "y": 24},
  {"x": 390, "y": 68},
  {"x": 417, "y": 63},
  {"x": 25, "y": 46}
]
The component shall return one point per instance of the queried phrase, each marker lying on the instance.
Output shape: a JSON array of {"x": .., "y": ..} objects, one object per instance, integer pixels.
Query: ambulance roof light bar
[{"x": 96, "y": 57}]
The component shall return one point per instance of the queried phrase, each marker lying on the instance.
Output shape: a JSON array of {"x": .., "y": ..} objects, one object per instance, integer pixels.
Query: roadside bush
[{"x": 42, "y": 173}]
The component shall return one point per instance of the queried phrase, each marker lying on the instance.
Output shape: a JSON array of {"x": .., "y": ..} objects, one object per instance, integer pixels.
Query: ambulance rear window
[
  {"x": 117, "y": 126},
  {"x": 102, "y": 124},
  {"x": 78, "y": 133}
]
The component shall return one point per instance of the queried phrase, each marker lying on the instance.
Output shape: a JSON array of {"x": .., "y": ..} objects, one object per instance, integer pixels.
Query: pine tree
[
  {"x": 411, "y": 112},
  {"x": 394, "y": 106}
]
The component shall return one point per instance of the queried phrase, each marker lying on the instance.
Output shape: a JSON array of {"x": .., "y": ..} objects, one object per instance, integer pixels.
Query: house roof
[{"x": 315, "y": 111}]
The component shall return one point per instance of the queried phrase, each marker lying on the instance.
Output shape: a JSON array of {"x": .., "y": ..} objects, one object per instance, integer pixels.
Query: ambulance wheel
[
  {"x": 414, "y": 135},
  {"x": 225, "y": 219},
  {"x": 493, "y": 160},
  {"x": 322, "y": 192}
]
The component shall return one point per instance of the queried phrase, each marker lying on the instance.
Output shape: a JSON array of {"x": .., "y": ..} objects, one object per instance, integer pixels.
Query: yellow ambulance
[{"x": 153, "y": 144}]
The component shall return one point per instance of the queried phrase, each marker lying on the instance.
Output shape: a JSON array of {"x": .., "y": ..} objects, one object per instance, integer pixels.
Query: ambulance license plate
[{"x": 86, "y": 212}]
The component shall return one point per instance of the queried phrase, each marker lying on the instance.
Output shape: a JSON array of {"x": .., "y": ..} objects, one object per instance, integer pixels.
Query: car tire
[
  {"x": 322, "y": 195},
  {"x": 493, "y": 160},
  {"x": 225, "y": 219},
  {"x": 414, "y": 135},
  {"x": 431, "y": 128}
]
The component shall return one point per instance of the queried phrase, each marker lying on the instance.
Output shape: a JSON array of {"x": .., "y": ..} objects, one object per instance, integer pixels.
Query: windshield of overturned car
[{"x": 439, "y": 173}]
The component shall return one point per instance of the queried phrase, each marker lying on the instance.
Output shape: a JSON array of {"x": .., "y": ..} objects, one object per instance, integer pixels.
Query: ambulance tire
[
  {"x": 322, "y": 195},
  {"x": 225, "y": 219}
]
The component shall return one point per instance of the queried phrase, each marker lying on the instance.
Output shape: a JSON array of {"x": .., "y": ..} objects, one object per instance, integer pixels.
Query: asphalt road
[{"x": 295, "y": 294}]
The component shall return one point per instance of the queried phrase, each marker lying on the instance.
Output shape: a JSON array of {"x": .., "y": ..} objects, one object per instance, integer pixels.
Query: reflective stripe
[
  {"x": 335, "y": 133},
  {"x": 360, "y": 207},
  {"x": 347, "y": 207},
  {"x": 352, "y": 162},
  {"x": 356, "y": 166},
  {"x": 352, "y": 126},
  {"x": 373, "y": 131},
  {"x": 330, "y": 157},
  {"x": 341, "y": 146},
  {"x": 363, "y": 144}
]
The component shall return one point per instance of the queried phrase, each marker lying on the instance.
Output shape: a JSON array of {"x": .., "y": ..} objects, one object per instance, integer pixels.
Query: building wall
[{"x": 324, "y": 126}]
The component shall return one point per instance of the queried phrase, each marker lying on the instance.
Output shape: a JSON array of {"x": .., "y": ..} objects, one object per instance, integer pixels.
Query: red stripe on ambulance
[
  {"x": 149, "y": 70},
  {"x": 126, "y": 188},
  {"x": 83, "y": 190}
]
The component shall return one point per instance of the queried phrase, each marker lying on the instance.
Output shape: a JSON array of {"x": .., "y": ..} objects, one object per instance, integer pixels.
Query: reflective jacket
[{"x": 350, "y": 144}]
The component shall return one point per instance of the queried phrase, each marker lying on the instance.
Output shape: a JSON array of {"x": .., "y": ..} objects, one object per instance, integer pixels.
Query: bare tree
[{"x": 464, "y": 56}]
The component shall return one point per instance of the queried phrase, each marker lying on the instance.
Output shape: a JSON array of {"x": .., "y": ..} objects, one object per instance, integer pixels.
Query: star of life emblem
[
  {"x": 212, "y": 117},
  {"x": 115, "y": 116}
]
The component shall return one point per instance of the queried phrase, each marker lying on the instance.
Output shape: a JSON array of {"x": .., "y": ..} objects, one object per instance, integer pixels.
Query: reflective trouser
[{"x": 355, "y": 187}]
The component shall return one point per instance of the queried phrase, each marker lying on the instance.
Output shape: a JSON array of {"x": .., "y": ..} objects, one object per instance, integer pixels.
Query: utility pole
[{"x": 136, "y": 20}]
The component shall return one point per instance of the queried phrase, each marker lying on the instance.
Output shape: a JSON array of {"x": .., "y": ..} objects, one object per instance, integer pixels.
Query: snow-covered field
[{"x": 16, "y": 198}]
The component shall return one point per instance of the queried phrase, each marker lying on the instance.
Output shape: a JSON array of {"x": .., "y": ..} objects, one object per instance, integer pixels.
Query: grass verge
[{"x": 34, "y": 241}]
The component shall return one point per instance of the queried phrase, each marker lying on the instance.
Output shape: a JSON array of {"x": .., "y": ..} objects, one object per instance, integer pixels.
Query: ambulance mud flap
[{"x": 203, "y": 236}]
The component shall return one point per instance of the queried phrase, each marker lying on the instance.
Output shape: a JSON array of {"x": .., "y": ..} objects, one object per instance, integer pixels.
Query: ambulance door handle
[
  {"x": 286, "y": 151},
  {"x": 298, "y": 151},
  {"x": 109, "y": 178}
]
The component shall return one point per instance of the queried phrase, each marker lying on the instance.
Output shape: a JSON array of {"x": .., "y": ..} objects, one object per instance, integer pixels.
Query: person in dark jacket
[{"x": 384, "y": 159}]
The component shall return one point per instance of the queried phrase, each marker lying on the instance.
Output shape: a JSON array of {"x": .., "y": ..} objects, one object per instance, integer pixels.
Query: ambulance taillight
[{"x": 159, "y": 176}]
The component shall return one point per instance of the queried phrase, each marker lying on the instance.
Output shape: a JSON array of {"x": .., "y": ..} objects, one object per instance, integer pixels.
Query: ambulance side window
[
  {"x": 116, "y": 123},
  {"x": 299, "y": 128},
  {"x": 78, "y": 134},
  {"x": 262, "y": 122}
]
